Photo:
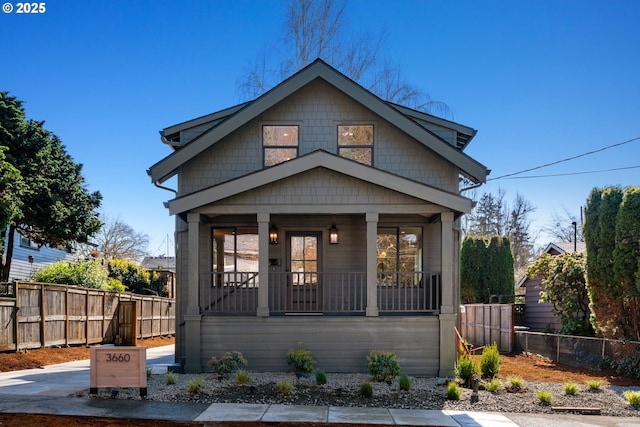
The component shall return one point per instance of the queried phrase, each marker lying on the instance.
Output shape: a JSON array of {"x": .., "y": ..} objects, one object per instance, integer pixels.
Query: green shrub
[
  {"x": 383, "y": 365},
  {"x": 633, "y": 397},
  {"x": 570, "y": 388},
  {"x": 195, "y": 385},
  {"x": 170, "y": 378},
  {"x": 493, "y": 385},
  {"x": 300, "y": 360},
  {"x": 284, "y": 387},
  {"x": 114, "y": 285},
  {"x": 321, "y": 377},
  {"x": 594, "y": 385},
  {"x": 515, "y": 383},
  {"x": 490, "y": 361},
  {"x": 466, "y": 369},
  {"x": 87, "y": 274},
  {"x": 242, "y": 377},
  {"x": 228, "y": 363},
  {"x": 404, "y": 383},
  {"x": 453, "y": 391},
  {"x": 544, "y": 396},
  {"x": 366, "y": 390},
  {"x": 136, "y": 279}
]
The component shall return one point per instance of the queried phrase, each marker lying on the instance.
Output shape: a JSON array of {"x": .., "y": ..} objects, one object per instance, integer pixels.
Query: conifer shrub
[
  {"x": 383, "y": 365},
  {"x": 490, "y": 361},
  {"x": 466, "y": 369}
]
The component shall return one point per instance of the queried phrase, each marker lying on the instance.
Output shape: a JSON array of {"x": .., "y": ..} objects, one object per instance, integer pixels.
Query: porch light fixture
[
  {"x": 273, "y": 235},
  {"x": 333, "y": 235}
]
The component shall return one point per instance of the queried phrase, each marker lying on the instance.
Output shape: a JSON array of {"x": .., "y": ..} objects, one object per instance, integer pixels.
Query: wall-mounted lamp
[
  {"x": 333, "y": 235},
  {"x": 31, "y": 259},
  {"x": 273, "y": 235}
]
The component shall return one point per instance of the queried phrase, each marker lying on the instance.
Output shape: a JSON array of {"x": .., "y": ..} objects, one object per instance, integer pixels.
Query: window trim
[
  {"x": 281, "y": 147},
  {"x": 369, "y": 146}
]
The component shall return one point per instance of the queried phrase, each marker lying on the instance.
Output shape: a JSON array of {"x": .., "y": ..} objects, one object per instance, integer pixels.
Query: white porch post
[
  {"x": 263, "y": 264},
  {"x": 193, "y": 318},
  {"x": 372, "y": 253},
  {"x": 447, "y": 310}
]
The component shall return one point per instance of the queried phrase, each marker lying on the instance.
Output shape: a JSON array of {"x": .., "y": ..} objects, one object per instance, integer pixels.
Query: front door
[{"x": 304, "y": 287}]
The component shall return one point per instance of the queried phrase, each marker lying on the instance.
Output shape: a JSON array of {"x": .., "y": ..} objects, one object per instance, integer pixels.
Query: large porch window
[
  {"x": 399, "y": 256},
  {"x": 233, "y": 284}
]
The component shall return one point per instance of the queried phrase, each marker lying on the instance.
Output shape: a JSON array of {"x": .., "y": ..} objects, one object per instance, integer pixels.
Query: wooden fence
[
  {"x": 44, "y": 315},
  {"x": 484, "y": 324}
]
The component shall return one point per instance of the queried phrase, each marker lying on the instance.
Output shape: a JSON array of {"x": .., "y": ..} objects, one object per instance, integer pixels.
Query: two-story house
[{"x": 318, "y": 213}]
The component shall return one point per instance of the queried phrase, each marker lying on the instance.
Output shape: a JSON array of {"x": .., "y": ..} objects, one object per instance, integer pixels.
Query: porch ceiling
[{"x": 321, "y": 159}]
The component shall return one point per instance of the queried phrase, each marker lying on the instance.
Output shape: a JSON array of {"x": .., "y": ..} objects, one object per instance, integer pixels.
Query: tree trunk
[{"x": 6, "y": 267}]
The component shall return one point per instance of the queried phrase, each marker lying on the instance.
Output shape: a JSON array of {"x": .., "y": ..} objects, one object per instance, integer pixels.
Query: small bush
[
  {"x": 570, "y": 388},
  {"x": 366, "y": 390},
  {"x": 515, "y": 383},
  {"x": 404, "y": 383},
  {"x": 383, "y": 365},
  {"x": 490, "y": 361},
  {"x": 300, "y": 360},
  {"x": 633, "y": 397},
  {"x": 594, "y": 385},
  {"x": 195, "y": 385},
  {"x": 242, "y": 377},
  {"x": 466, "y": 369},
  {"x": 493, "y": 385},
  {"x": 284, "y": 387},
  {"x": 228, "y": 363},
  {"x": 453, "y": 391},
  {"x": 170, "y": 378},
  {"x": 321, "y": 377},
  {"x": 544, "y": 397}
]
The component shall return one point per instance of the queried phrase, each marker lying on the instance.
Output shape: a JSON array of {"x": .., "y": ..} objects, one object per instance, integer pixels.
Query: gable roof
[
  {"x": 556, "y": 248},
  {"x": 233, "y": 118},
  {"x": 319, "y": 159}
]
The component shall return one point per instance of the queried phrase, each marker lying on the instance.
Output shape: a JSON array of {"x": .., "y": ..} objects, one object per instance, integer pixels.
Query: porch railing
[
  {"x": 320, "y": 293},
  {"x": 229, "y": 292}
]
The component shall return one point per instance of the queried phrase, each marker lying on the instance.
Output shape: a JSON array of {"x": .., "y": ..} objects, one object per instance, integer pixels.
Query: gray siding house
[
  {"x": 28, "y": 257},
  {"x": 539, "y": 316},
  {"x": 318, "y": 213}
]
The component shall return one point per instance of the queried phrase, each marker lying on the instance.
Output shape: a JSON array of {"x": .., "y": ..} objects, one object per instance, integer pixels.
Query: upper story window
[
  {"x": 280, "y": 143},
  {"x": 28, "y": 243},
  {"x": 356, "y": 143}
]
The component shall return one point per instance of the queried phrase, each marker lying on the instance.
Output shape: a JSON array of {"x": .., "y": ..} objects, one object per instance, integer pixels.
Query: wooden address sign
[{"x": 118, "y": 366}]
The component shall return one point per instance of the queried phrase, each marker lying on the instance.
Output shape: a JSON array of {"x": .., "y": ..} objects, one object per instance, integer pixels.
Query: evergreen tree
[
  {"x": 56, "y": 208},
  {"x": 486, "y": 268}
]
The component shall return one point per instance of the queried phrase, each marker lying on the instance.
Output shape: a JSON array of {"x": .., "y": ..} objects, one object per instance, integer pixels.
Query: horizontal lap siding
[{"x": 338, "y": 344}]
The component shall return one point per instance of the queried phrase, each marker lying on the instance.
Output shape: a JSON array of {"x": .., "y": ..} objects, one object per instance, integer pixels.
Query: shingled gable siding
[
  {"x": 415, "y": 340},
  {"x": 318, "y": 109}
]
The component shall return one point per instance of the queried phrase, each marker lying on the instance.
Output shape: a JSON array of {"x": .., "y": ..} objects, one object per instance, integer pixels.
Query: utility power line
[
  {"x": 570, "y": 173},
  {"x": 567, "y": 159}
]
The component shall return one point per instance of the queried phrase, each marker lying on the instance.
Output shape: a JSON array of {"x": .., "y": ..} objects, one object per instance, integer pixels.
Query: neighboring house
[
  {"x": 539, "y": 316},
  {"x": 29, "y": 257},
  {"x": 318, "y": 214},
  {"x": 165, "y": 267}
]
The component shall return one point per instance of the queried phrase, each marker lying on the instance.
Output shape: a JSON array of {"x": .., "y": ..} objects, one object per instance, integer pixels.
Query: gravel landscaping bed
[{"x": 343, "y": 390}]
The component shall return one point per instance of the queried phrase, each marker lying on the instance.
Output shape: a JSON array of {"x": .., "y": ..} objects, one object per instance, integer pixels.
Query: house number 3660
[{"x": 118, "y": 357}]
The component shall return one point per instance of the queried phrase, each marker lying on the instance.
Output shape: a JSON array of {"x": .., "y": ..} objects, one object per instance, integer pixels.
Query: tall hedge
[
  {"x": 612, "y": 237},
  {"x": 486, "y": 268}
]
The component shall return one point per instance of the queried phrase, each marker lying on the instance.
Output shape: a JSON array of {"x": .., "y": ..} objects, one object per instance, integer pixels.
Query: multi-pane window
[
  {"x": 280, "y": 143},
  {"x": 356, "y": 143},
  {"x": 399, "y": 256}
]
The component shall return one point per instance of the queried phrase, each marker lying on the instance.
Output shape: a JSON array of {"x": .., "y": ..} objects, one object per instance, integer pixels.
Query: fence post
[
  {"x": 43, "y": 326},
  {"x": 557, "y": 348}
]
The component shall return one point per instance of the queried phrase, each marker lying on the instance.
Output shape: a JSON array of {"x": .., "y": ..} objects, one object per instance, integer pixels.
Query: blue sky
[{"x": 540, "y": 81}]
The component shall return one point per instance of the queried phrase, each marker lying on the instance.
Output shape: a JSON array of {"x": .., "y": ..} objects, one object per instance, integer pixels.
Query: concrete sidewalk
[{"x": 46, "y": 391}]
